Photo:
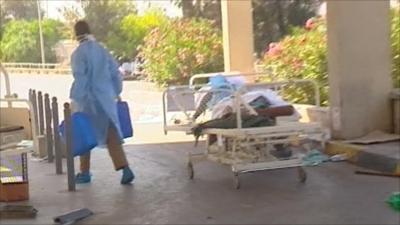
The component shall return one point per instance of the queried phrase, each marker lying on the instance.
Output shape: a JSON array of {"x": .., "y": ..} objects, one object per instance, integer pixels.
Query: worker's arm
[
  {"x": 273, "y": 112},
  {"x": 79, "y": 89}
]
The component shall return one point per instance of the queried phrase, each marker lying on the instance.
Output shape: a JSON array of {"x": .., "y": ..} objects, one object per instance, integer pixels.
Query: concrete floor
[
  {"x": 163, "y": 194},
  {"x": 388, "y": 149},
  {"x": 145, "y": 100}
]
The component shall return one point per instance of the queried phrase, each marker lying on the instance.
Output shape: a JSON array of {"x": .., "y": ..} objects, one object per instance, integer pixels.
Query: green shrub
[
  {"x": 395, "y": 37},
  {"x": 20, "y": 40},
  {"x": 180, "y": 48},
  {"x": 132, "y": 30},
  {"x": 303, "y": 55}
]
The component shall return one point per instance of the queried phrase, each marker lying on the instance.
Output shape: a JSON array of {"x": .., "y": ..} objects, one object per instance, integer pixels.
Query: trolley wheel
[
  {"x": 190, "y": 170},
  {"x": 302, "y": 174},
  {"x": 236, "y": 181}
]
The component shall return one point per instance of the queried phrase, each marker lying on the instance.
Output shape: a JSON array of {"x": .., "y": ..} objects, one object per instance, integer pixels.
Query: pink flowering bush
[
  {"x": 303, "y": 55},
  {"x": 180, "y": 49}
]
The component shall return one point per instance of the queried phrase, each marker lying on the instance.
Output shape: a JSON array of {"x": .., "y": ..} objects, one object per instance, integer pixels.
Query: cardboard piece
[{"x": 11, "y": 192}]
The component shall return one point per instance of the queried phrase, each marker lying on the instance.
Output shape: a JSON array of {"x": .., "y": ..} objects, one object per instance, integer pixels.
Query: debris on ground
[
  {"x": 338, "y": 157},
  {"x": 73, "y": 216},
  {"x": 314, "y": 158},
  {"x": 17, "y": 212},
  {"x": 394, "y": 201},
  {"x": 376, "y": 173}
]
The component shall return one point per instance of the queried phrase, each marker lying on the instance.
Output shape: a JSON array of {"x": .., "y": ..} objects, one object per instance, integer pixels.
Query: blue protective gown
[{"x": 97, "y": 84}]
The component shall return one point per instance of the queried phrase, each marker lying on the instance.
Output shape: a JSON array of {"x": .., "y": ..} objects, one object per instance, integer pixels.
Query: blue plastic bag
[
  {"x": 83, "y": 135},
  {"x": 124, "y": 119}
]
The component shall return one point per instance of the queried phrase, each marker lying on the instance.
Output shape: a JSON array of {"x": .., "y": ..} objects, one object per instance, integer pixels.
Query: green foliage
[
  {"x": 132, "y": 30},
  {"x": 20, "y": 41},
  {"x": 70, "y": 16},
  {"x": 303, "y": 55},
  {"x": 104, "y": 16},
  {"x": 207, "y": 9},
  {"x": 18, "y": 9},
  {"x": 273, "y": 19},
  {"x": 395, "y": 37},
  {"x": 181, "y": 48}
]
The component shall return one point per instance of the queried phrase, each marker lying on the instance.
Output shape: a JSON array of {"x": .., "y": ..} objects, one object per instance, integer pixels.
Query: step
[{"x": 383, "y": 157}]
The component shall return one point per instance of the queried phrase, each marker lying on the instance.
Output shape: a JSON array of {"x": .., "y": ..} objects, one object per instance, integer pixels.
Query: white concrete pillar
[
  {"x": 237, "y": 26},
  {"x": 359, "y": 66}
]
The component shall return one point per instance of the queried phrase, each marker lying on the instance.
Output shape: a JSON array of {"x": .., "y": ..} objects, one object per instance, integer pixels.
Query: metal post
[
  {"x": 49, "y": 131},
  {"x": 6, "y": 80},
  {"x": 35, "y": 111},
  {"x": 7, "y": 84},
  {"x": 68, "y": 141},
  {"x": 41, "y": 116},
  {"x": 40, "y": 33},
  {"x": 57, "y": 146},
  {"x": 30, "y": 95}
]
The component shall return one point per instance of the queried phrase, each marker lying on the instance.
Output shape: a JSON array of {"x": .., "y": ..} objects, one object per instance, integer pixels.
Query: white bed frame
[
  {"x": 10, "y": 99},
  {"x": 244, "y": 138}
]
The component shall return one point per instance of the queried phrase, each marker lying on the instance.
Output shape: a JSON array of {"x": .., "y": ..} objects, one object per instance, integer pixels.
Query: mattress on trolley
[
  {"x": 183, "y": 128},
  {"x": 300, "y": 127},
  {"x": 10, "y": 128}
]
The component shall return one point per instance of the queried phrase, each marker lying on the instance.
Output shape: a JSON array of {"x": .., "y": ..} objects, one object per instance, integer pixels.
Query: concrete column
[
  {"x": 359, "y": 66},
  {"x": 237, "y": 26}
]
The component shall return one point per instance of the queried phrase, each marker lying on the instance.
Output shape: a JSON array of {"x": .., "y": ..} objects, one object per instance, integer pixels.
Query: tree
[
  {"x": 180, "y": 49},
  {"x": 208, "y": 9},
  {"x": 104, "y": 16},
  {"x": 19, "y": 9},
  {"x": 132, "y": 30},
  {"x": 273, "y": 19},
  {"x": 20, "y": 40},
  {"x": 70, "y": 15},
  {"x": 395, "y": 37},
  {"x": 303, "y": 55}
]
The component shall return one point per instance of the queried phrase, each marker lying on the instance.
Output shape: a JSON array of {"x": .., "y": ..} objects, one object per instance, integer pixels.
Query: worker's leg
[
  {"x": 85, "y": 162},
  {"x": 115, "y": 149},
  {"x": 84, "y": 176},
  {"x": 118, "y": 156}
]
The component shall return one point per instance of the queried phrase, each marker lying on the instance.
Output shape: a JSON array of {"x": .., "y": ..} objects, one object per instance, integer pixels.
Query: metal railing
[
  {"x": 37, "y": 68},
  {"x": 32, "y": 65},
  {"x": 44, "y": 119},
  {"x": 275, "y": 85}
]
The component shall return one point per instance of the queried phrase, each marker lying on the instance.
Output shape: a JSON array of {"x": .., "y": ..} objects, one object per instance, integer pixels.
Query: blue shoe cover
[{"x": 127, "y": 176}]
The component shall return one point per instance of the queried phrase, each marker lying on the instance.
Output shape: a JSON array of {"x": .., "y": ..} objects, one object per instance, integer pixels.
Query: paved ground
[
  {"x": 144, "y": 98},
  {"x": 162, "y": 193},
  {"x": 389, "y": 149}
]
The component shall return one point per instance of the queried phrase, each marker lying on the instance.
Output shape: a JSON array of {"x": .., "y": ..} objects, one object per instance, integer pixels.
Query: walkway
[{"x": 162, "y": 193}]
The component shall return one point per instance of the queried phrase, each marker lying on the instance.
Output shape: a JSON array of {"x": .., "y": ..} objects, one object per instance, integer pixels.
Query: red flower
[
  {"x": 274, "y": 49},
  {"x": 272, "y": 45},
  {"x": 310, "y": 24}
]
